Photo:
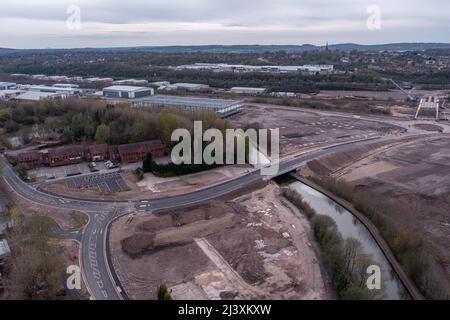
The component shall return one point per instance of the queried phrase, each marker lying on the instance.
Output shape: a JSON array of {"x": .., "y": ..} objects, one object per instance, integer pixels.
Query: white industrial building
[
  {"x": 38, "y": 95},
  {"x": 10, "y": 94},
  {"x": 132, "y": 82},
  {"x": 188, "y": 86},
  {"x": 96, "y": 79},
  {"x": 248, "y": 90},
  {"x": 52, "y": 89},
  {"x": 127, "y": 92},
  {"x": 66, "y": 85},
  {"x": 223, "y": 107},
  {"x": 8, "y": 85}
]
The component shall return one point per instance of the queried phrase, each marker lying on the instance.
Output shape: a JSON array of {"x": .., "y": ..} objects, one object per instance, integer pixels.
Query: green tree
[
  {"x": 102, "y": 134},
  {"x": 147, "y": 163},
  {"x": 163, "y": 293}
]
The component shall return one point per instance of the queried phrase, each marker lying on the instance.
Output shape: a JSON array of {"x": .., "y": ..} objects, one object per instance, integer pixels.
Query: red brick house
[
  {"x": 137, "y": 151},
  {"x": 30, "y": 160},
  {"x": 66, "y": 155},
  {"x": 132, "y": 152},
  {"x": 157, "y": 148},
  {"x": 98, "y": 152},
  {"x": 76, "y": 154},
  {"x": 113, "y": 153}
]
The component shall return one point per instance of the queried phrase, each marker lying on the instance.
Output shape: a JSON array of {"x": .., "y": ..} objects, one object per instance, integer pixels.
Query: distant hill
[
  {"x": 252, "y": 48},
  {"x": 7, "y": 50}
]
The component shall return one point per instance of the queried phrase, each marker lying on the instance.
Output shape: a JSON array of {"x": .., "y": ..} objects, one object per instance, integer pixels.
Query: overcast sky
[{"x": 106, "y": 23}]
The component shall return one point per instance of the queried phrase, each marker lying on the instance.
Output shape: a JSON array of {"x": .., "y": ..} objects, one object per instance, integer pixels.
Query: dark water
[{"x": 349, "y": 226}]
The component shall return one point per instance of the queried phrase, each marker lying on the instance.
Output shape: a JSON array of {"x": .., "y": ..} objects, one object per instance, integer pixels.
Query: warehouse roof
[
  {"x": 36, "y": 95},
  {"x": 249, "y": 88},
  {"x": 126, "y": 88},
  {"x": 184, "y": 101},
  {"x": 66, "y": 151},
  {"x": 7, "y": 83}
]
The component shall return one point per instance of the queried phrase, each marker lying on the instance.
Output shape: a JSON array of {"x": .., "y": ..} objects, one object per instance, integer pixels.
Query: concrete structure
[
  {"x": 7, "y": 85},
  {"x": 127, "y": 92},
  {"x": 36, "y": 96},
  {"x": 10, "y": 94},
  {"x": 428, "y": 104},
  {"x": 223, "y": 107},
  {"x": 248, "y": 90}
]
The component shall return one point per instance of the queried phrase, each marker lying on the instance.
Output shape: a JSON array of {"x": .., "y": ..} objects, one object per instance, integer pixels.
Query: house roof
[
  {"x": 133, "y": 147},
  {"x": 66, "y": 151},
  {"x": 140, "y": 146},
  {"x": 98, "y": 148},
  {"x": 33, "y": 155}
]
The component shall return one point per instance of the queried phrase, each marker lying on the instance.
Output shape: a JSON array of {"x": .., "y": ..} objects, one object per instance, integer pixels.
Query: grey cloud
[{"x": 283, "y": 21}]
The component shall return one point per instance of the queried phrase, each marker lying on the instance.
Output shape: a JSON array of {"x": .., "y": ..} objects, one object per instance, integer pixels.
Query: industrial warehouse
[
  {"x": 140, "y": 97},
  {"x": 223, "y": 107}
]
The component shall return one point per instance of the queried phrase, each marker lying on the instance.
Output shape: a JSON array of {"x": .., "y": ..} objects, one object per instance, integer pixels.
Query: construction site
[
  {"x": 301, "y": 130},
  {"x": 254, "y": 245}
]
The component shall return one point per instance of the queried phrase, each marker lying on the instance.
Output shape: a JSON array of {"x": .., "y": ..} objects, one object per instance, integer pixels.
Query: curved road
[{"x": 96, "y": 270}]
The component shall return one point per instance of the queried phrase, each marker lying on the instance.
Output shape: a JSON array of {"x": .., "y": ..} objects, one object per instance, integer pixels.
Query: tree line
[
  {"x": 343, "y": 258},
  {"x": 75, "y": 120}
]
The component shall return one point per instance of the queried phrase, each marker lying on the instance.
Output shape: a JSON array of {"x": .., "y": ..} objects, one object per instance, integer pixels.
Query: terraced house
[
  {"x": 30, "y": 160},
  {"x": 125, "y": 153}
]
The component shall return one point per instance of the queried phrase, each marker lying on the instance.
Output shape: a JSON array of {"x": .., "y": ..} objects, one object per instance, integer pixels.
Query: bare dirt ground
[
  {"x": 152, "y": 186},
  {"x": 428, "y": 127},
  {"x": 416, "y": 175},
  {"x": 255, "y": 246},
  {"x": 301, "y": 130}
]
